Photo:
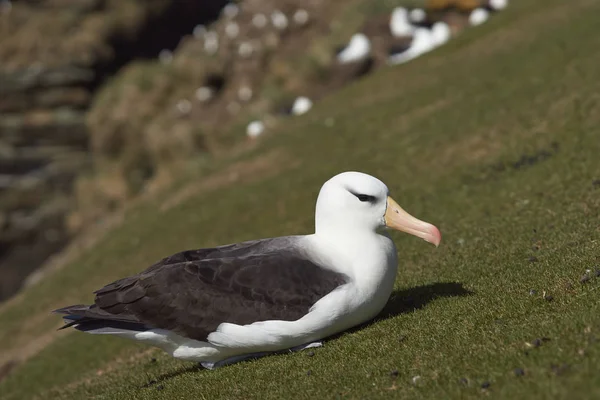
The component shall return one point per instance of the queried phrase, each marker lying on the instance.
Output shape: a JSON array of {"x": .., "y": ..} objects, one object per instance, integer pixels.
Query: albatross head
[{"x": 356, "y": 201}]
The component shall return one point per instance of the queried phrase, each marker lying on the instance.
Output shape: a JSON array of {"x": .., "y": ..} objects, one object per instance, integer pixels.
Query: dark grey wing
[
  {"x": 193, "y": 297},
  {"x": 247, "y": 248}
]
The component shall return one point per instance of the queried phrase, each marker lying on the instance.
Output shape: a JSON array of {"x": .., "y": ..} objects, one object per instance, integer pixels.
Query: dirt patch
[{"x": 263, "y": 167}]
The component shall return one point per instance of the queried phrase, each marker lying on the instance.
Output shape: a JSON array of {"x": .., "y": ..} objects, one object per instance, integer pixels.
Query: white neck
[{"x": 367, "y": 257}]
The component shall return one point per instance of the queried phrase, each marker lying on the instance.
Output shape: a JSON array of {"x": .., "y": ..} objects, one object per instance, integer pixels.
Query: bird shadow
[{"x": 401, "y": 301}]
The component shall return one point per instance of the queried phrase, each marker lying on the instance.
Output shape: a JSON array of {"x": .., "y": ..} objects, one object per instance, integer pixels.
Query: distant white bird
[
  {"x": 478, "y": 16},
  {"x": 204, "y": 93},
  {"x": 301, "y": 105},
  {"x": 300, "y": 17},
  {"x": 424, "y": 40},
  {"x": 417, "y": 15},
  {"x": 231, "y": 10},
  {"x": 498, "y": 4},
  {"x": 255, "y": 129},
  {"x": 358, "y": 48},
  {"x": 184, "y": 106},
  {"x": 211, "y": 42},
  {"x": 232, "y": 30},
  {"x": 441, "y": 33},
  {"x": 244, "y": 93},
  {"x": 259, "y": 20},
  {"x": 279, "y": 20},
  {"x": 165, "y": 56},
  {"x": 245, "y": 49},
  {"x": 199, "y": 31},
  {"x": 400, "y": 25}
]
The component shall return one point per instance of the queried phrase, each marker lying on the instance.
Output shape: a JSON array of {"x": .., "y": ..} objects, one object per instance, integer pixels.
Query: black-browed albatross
[{"x": 224, "y": 304}]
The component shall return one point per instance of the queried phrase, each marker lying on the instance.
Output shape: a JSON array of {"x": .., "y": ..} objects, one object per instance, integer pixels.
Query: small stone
[
  {"x": 464, "y": 381},
  {"x": 519, "y": 372},
  {"x": 597, "y": 273},
  {"x": 548, "y": 297},
  {"x": 160, "y": 387},
  {"x": 485, "y": 385},
  {"x": 153, "y": 360},
  {"x": 394, "y": 373},
  {"x": 310, "y": 353},
  {"x": 536, "y": 343},
  {"x": 584, "y": 279},
  {"x": 308, "y": 373},
  {"x": 533, "y": 259},
  {"x": 401, "y": 338},
  {"x": 596, "y": 183},
  {"x": 581, "y": 352},
  {"x": 532, "y": 292},
  {"x": 415, "y": 379}
]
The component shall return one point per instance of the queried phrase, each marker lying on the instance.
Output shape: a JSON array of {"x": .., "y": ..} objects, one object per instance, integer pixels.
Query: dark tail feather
[
  {"x": 94, "y": 320},
  {"x": 72, "y": 314}
]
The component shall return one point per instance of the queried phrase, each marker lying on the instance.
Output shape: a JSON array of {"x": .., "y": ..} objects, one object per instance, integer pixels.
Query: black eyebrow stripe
[{"x": 358, "y": 195}]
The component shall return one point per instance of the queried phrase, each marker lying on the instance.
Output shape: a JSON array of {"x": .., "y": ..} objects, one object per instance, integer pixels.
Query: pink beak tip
[{"x": 436, "y": 236}]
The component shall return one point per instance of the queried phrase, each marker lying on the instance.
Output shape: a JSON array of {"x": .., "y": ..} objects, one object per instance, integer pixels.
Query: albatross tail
[{"x": 91, "y": 319}]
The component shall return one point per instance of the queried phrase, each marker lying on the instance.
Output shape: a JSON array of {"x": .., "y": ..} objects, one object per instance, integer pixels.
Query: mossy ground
[{"x": 494, "y": 138}]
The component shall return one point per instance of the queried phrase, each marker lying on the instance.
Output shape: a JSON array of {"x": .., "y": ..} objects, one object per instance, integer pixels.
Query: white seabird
[
  {"x": 417, "y": 15},
  {"x": 498, "y": 4},
  {"x": 211, "y": 42},
  {"x": 199, "y": 31},
  {"x": 400, "y": 25},
  {"x": 301, "y": 105},
  {"x": 244, "y": 93},
  {"x": 184, "y": 106},
  {"x": 232, "y": 30},
  {"x": 301, "y": 17},
  {"x": 279, "y": 20},
  {"x": 357, "y": 49},
  {"x": 424, "y": 40},
  {"x": 231, "y": 10},
  {"x": 165, "y": 56},
  {"x": 220, "y": 305},
  {"x": 478, "y": 16},
  {"x": 245, "y": 49},
  {"x": 259, "y": 20},
  {"x": 440, "y": 33},
  {"x": 204, "y": 93},
  {"x": 255, "y": 129}
]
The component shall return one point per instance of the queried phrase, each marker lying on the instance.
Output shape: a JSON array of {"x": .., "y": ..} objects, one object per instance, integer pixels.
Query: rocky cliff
[{"x": 54, "y": 54}]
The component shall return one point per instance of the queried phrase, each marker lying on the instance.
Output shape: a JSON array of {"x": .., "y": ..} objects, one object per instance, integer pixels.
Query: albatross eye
[{"x": 365, "y": 197}]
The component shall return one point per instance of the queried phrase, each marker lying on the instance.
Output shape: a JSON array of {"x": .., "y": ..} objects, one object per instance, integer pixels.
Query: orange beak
[{"x": 398, "y": 219}]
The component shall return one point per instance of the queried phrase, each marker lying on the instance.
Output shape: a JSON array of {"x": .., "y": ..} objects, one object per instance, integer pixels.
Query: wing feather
[{"x": 194, "y": 291}]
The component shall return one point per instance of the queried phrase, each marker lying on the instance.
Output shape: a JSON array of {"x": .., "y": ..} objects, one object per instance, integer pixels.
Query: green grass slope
[{"x": 494, "y": 138}]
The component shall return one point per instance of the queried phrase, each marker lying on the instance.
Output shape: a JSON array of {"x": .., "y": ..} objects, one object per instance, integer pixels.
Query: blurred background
[
  {"x": 134, "y": 129},
  {"x": 104, "y": 100}
]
